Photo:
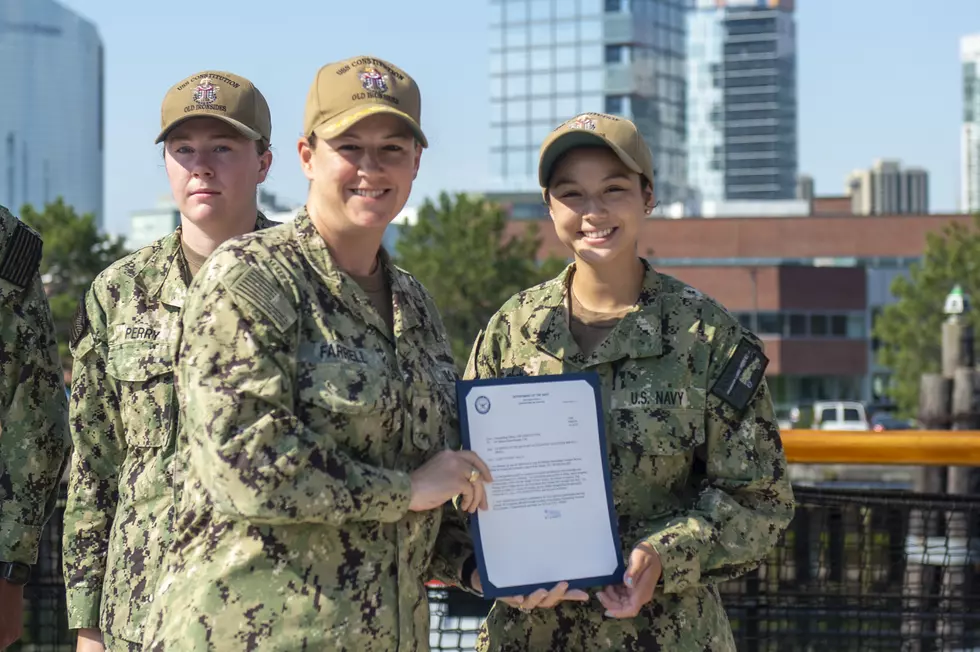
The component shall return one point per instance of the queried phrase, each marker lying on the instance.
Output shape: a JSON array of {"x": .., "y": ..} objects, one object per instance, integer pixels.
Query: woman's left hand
[{"x": 639, "y": 583}]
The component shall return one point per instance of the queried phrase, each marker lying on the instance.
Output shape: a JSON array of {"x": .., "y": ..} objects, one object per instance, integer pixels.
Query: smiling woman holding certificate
[{"x": 699, "y": 480}]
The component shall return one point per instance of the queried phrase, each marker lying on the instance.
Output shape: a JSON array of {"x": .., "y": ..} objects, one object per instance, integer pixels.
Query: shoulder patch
[
  {"x": 79, "y": 324},
  {"x": 258, "y": 290},
  {"x": 22, "y": 258},
  {"x": 739, "y": 380}
]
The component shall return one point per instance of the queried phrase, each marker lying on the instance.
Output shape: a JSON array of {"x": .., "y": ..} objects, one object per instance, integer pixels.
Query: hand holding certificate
[{"x": 550, "y": 516}]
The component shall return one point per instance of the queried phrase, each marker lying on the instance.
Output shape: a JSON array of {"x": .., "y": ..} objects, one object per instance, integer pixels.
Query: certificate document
[{"x": 551, "y": 515}]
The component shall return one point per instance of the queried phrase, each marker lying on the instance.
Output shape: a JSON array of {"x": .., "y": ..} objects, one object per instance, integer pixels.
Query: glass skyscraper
[
  {"x": 741, "y": 100},
  {"x": 553, "y": 59},
  {"x": 51, "y": 111}
]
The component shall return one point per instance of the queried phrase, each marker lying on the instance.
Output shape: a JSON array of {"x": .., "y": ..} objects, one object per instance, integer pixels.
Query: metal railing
[
  {"x": 856, "y": 570},
  {"x": 846, "y": 576},
  {"x": 907, "y": 447}
]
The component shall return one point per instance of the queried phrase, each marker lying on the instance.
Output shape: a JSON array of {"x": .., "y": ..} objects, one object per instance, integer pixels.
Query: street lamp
[
  {"x": 956, "y": 306},
  {"x": 957, "y": 303}
]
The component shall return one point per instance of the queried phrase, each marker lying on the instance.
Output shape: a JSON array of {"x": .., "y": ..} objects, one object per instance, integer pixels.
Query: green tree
[
  {"x": 74, "y": 253},
  {"x": 910, "y": 330},
  {"x": 462, "y": 253}
]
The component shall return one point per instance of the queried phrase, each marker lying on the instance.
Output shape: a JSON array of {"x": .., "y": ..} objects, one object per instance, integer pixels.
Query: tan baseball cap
[
  {"x": 220, "y": 95},
  {"x": 345, "y": 92},
  {"x": 590, "y": 129}
]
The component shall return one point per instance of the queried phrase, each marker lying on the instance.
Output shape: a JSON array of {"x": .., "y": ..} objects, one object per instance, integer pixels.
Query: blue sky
[{"x": 877, "y": 79}]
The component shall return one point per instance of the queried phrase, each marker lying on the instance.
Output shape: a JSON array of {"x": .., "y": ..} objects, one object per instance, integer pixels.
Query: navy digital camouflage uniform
[
  {"x": 304, "y": 419},
  {"x": 33, "y": 407},
  {"x": 124, "y": 425},
  {"x": 697, "y": 465}
]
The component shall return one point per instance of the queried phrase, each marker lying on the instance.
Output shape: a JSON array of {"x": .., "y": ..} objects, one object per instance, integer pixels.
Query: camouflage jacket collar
[
  {"x": 407, "y": 311},
  {"x": 638, "y": 335},
  {"x": 407, "y": 302},
  {"x": 161, "y": 275},
  {"x": 263, "y": 222}
]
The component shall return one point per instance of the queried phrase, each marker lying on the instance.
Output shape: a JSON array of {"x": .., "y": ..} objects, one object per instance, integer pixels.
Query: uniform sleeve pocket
[{"x": 144, "y": 375}]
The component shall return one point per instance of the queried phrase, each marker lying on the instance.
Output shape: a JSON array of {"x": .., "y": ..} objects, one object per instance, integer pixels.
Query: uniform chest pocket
[
  {"x": 346, "y": 387},
  {"x": 144, "y": 375},
  {"x": 433, "y": 423},
  {"x": 656, "y": 445},
  {"x": 658, "y": 431}
]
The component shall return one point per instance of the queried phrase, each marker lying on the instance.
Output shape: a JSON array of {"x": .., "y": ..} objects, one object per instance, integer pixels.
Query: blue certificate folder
[{"x": 490, "y": 590}]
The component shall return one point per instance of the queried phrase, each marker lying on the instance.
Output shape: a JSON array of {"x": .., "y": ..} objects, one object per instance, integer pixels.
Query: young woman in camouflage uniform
[
  {"x": 216, "y": 128},
  {"x": 698, "y": 474},
  {"x": 318, "y": 396}
]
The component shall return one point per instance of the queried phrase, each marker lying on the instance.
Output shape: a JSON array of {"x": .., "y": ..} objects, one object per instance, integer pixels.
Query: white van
[{"x": 840, "y": 415}]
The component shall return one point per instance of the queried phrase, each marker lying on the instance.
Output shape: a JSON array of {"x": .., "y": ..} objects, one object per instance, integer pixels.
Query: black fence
[{"x": 856, "y": 571}]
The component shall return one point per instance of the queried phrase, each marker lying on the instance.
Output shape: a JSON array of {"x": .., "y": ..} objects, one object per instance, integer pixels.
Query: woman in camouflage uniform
[
  {"x": 215, "y": 127},
  {"x": 698, "y": 474},
  {"x": 317, "y": 388}
]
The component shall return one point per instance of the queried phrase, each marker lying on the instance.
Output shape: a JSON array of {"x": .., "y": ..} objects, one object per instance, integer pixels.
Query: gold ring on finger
[{"x": 474, "y": 474}]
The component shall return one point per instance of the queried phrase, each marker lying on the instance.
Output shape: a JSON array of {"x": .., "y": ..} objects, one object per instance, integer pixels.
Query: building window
[
  {"x": 745, "y": 319},
  {"x": 540, "y": 9},
  {"x": 617, "y": 54},
  {"x": 855, "y": 326},
  {"x": 770, "y": 323},
  {"x": 838, "y": 325},
  {"x": 819, "y": 325},
  {"x": 875, "y": 314},
  {"x": 565, "y": 82},
  {"x": 614, "y": 6},
  {"x": 522, "y": 211},
  {"x": 614, "y": 104},
  {"x": 797, "y": 325},
  {"x": 566, "y": 57},
  {"x": 566, "y": 32}
]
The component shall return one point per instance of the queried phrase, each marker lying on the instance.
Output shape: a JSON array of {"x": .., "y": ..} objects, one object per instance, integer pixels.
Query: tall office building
[
  {"x": 51, "y": 107},
  {"x": 888, "y": 189},
  {"x": 970, "y": 139},
  {"x": 741, "y": 99},
  {"x": 553, "y": 59}
]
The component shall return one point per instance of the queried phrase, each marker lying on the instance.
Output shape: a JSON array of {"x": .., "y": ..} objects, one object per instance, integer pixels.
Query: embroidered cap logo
[
  {"x": 372, "y": 80},
  {"x": 206, "y": 92},
  {"x": 582, "y": 122}
]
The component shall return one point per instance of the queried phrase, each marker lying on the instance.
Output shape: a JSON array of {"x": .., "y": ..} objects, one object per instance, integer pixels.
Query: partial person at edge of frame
[
  {"x": 34, "y": 441},
  {"x": 700, "y": 482},
  {"x": 216, "y": 129},
  {"x": 319, "y": 401}
]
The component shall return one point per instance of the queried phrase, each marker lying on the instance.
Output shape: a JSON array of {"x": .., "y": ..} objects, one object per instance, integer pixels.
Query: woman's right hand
[
  {"x": 544, "y": 599},
  {"x": 448, "y": 474},
  {"x": 89, "y": 640}
]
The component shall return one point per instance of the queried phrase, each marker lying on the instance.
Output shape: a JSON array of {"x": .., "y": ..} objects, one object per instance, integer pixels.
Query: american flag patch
[
  {"x": 266, "y": 296},
  {"x": 79, "y": 324},
  {"x": 23, "y": 256}
]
